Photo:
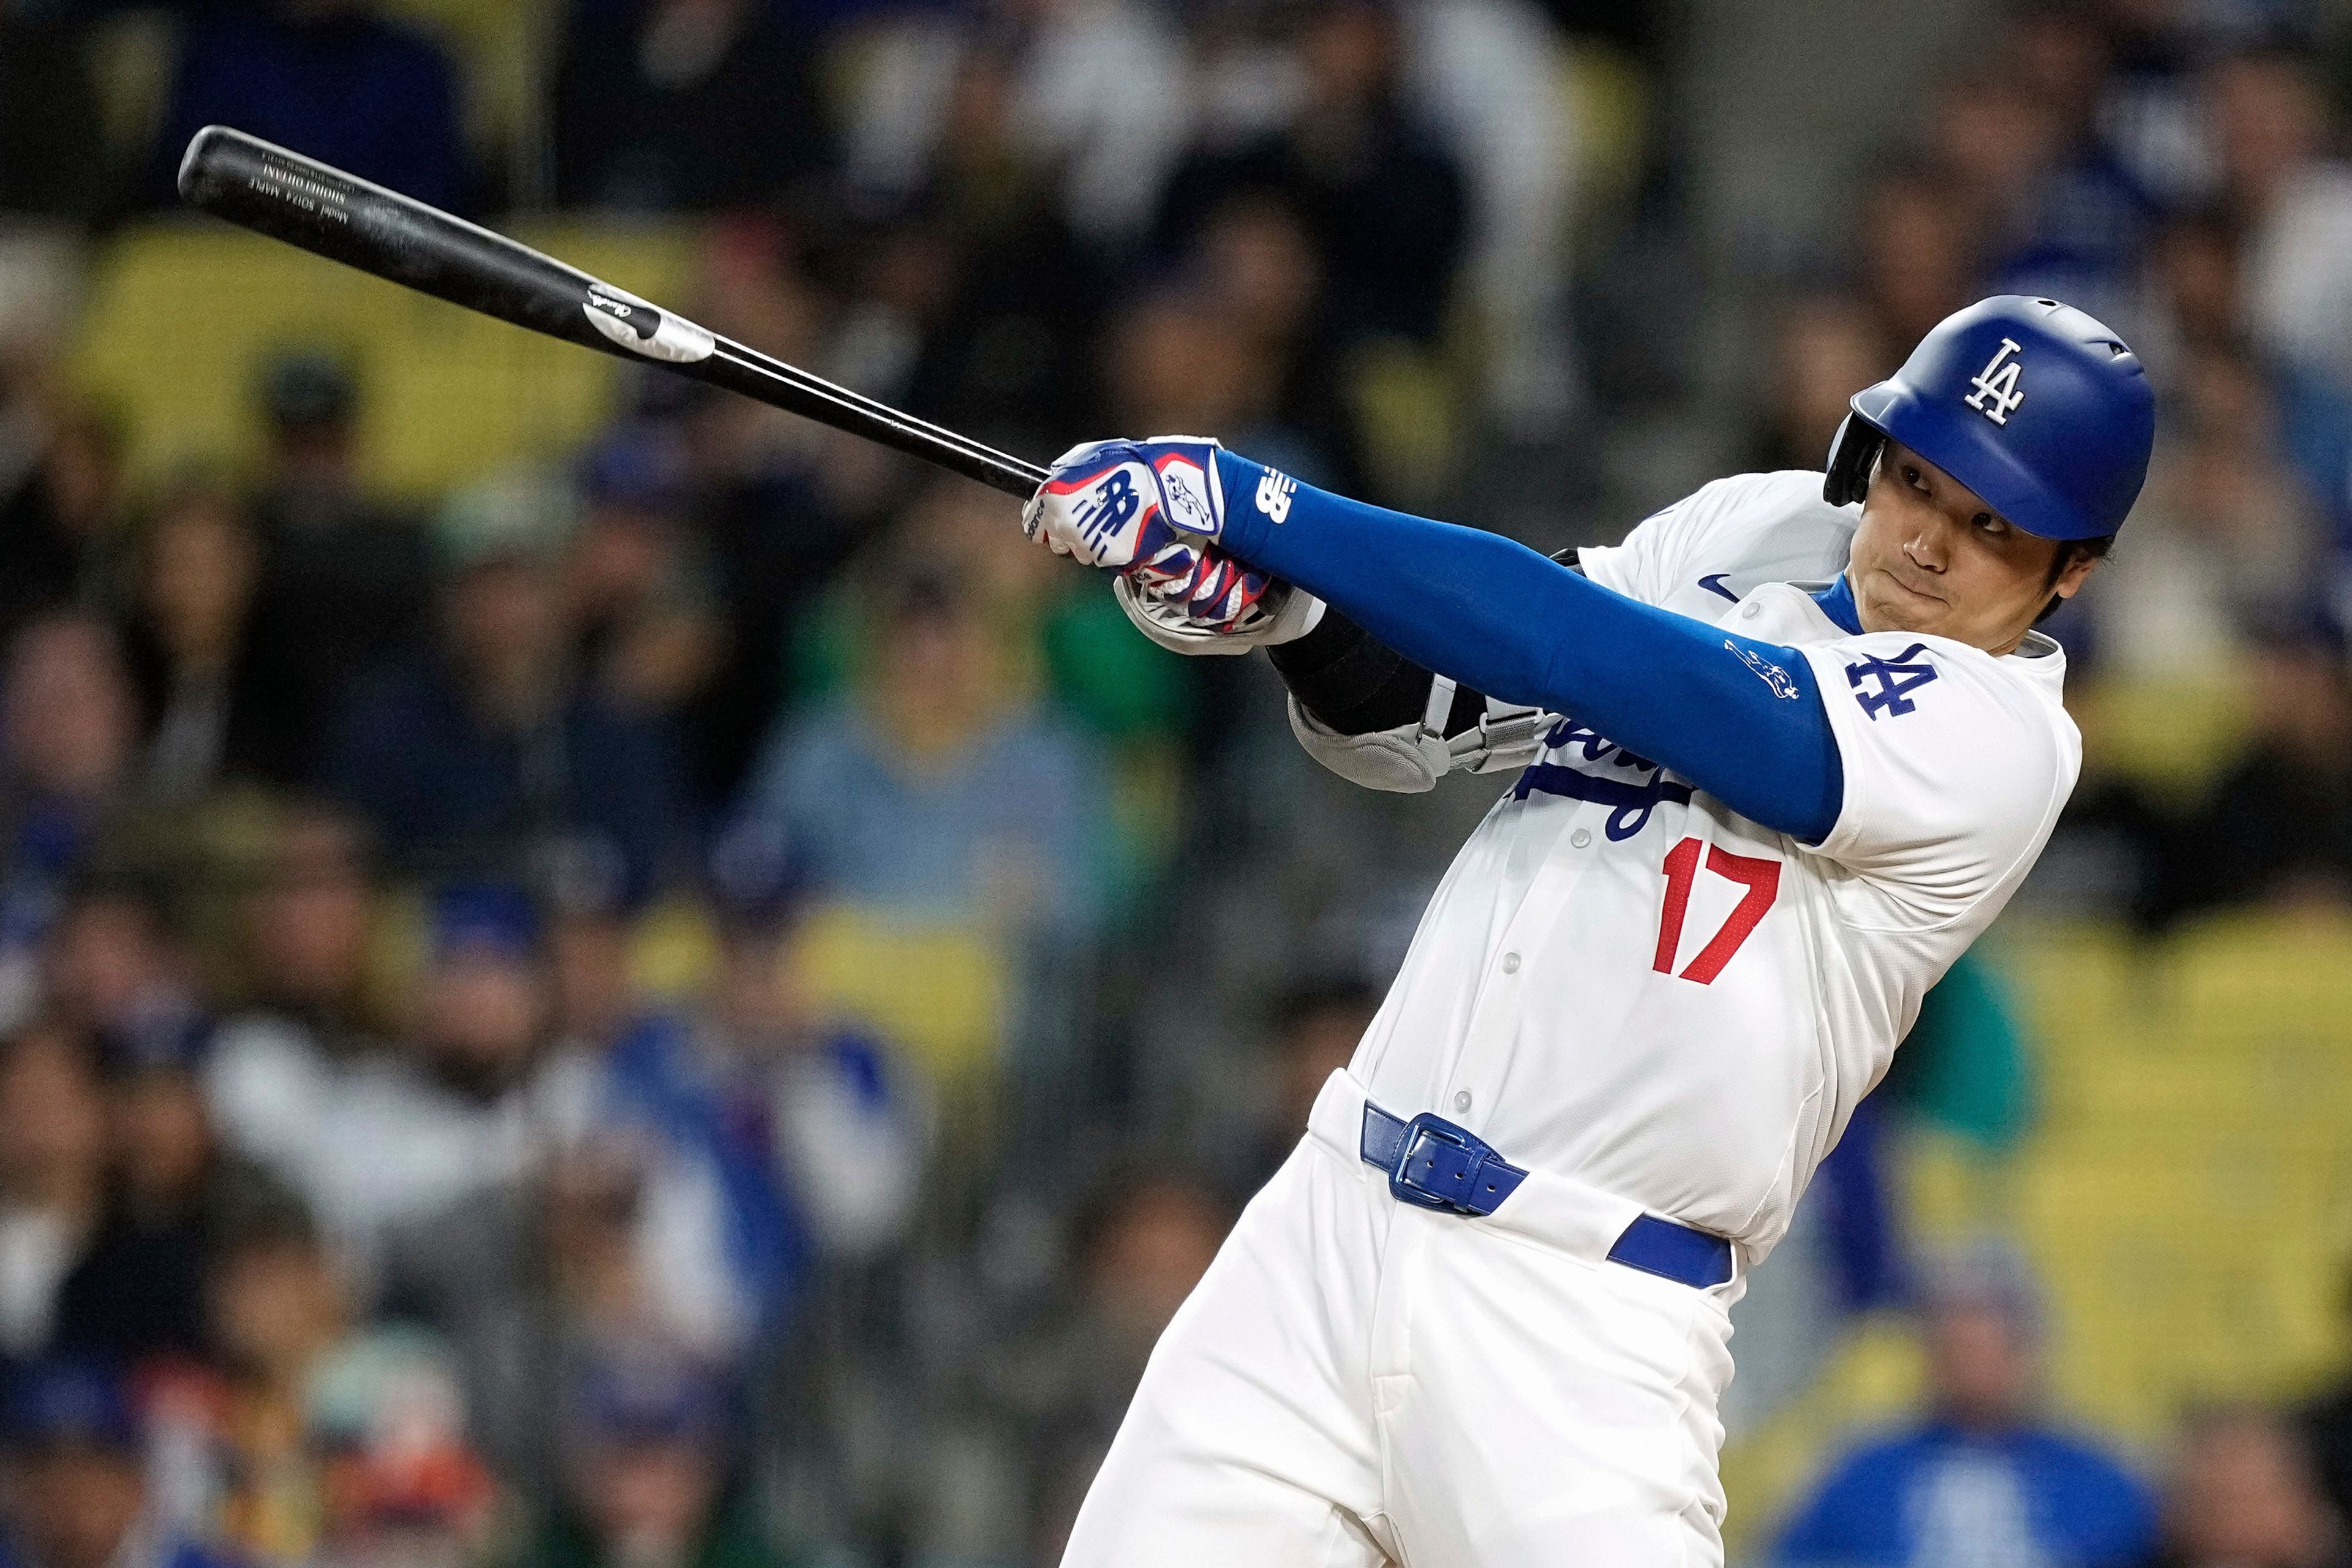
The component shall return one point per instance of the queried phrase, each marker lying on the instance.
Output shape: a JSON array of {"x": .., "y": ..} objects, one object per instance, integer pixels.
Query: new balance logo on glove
[{"x": 1274, "y": 493}]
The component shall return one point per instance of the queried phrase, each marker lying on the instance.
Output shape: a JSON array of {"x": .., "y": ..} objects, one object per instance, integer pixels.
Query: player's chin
[{"x": 1899, "y": 609}]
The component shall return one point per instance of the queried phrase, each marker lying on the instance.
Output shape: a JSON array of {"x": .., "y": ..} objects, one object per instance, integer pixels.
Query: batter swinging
[{"x": 1786, "y": 750}]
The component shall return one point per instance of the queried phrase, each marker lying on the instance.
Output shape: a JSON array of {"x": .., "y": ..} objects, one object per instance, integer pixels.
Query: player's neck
[{"x": 1855, "y": 617}]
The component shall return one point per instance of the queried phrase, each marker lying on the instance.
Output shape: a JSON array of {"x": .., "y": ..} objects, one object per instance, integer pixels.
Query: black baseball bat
[{"x": 266, "y": 188}]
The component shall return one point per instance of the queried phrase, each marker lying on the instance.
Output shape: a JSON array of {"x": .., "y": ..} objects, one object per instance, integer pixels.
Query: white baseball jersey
[{"x": 1623, "y": 981}]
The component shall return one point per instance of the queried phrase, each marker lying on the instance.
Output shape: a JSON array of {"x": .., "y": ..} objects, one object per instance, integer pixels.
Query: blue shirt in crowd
[
  {"x": 407, "y": 750},
  {"x": 352, "y": 90},
  {"x": 1943, "y": 1498},
  {"x": 173, "y": 1553},
  {"x": 1011, "y": 829}
]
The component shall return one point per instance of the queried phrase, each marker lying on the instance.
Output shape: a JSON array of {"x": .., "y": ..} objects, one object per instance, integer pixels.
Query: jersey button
[
  {"x": 1462, "y": 1100},
  {"x": 1748, "y": 611},
  {"x": 1510, "y": 963},
  {"x": 1580, "y": 838}
]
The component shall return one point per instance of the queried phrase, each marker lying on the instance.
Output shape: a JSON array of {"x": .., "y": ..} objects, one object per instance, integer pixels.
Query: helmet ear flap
[{"x": 1852, "y": 450}]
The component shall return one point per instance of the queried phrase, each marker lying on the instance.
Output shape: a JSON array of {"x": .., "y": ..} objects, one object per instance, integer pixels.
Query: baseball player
[{"x": 1788, "y": 750}]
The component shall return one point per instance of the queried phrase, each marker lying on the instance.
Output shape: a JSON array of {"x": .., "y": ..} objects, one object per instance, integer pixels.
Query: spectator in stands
[
  {"x": 590, "y": 911},
  {"x": 52, "y": 1177},
  {"x": 639, "y": 601},
  {"x": 1496, "y": 79},
  {"x": 797, "y": 1085},
  {"x": 400, "y": 1487},
  {"x": 330, "y": 78},
  {"x": 2223, "y": 530},
  {"x": 1141, "y": 1243},
  {"x": 2277, "y": 829},
  {"x": 52, "y": 121},
  {"x": 487, "y": 744},
  {"x": 344, "y": 578},
  {"x": 1170, "y": 375},
  {"x": 778, "y": 503},
  {"x": 137, "y": 1293},
  {"x": 58, "y": 505},
  {"x": 1317, "y": 1026},
  {"x": 114, "y": 971},
  {"x": 278, "y": 1310},
  {"x": 937, "y": 794},
  {"x": 77, "y": 1494},
  {"x": 306, "y": 927},
  {"x": 1254, "y": 260},
  {"x": 385, "y": 1140},
  {"x": 2268, "y": 121},
  {"x": 68, "y": 733},
  {"x": 715, "y": 1236},
  {"x": 208, "y": 708},
  {"x": 1992, "y": 139},
  {"x": 2053, "y": 208},
  {"x": 522, "y": 1276},
  {"x": 1085, "y": 99},
  {"x": 2243, "y": 1496},
  {"x": 980, "y": 249},
  {"x": 1917, "y": 259},
  {"x": 2198, "y": 309},
  {"x": 1982, "y": 1476},
  {"x": 2197, "y": 298},
  {"x": 648, "y": 1471},
  {"x": 712, "y": 1236},
  {"x": 1387, "y": 206},
  {"x": 696, "y": 104},
  {"x": 639, "y": 1211},
  {"x": 1825, "y": 348}
]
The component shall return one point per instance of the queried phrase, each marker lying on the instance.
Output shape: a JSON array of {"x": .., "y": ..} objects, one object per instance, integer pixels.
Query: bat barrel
[{"x": 263, "y": 187}]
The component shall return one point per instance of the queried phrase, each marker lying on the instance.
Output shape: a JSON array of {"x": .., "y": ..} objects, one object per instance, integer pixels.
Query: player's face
[{"x": 1931, "y": 556}]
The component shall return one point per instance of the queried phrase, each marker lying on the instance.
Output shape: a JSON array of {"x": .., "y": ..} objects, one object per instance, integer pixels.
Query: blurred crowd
[{"x": 694, "y": 1003}]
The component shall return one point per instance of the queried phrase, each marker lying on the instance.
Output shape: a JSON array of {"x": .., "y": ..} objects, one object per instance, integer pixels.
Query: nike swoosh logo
[{"x": 1713, "y": 583}]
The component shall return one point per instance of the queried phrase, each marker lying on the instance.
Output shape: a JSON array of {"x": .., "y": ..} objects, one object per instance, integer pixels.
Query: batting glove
[
  {"x": 1203, "y": 601},
  {"x": 1121, "y": 504}
]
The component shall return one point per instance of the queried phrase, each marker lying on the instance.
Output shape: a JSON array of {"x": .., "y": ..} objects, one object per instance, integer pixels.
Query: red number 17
[{"x": 1760, "y": 876}]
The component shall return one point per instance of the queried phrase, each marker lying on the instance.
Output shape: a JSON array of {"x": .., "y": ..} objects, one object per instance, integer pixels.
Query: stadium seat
[
  {"x": 937, "y": 989},
  {"x": 2183, "y": 1194},
  {"x": 1608, "y": 97},
  {"x": 447, "y": 393},
  {"x": 1408, "y": 404},
  {"x": 2171, "y": 736}
]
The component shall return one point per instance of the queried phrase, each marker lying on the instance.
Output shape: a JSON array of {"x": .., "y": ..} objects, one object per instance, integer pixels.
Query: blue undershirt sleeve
[{"x": 1742, "y": 720}]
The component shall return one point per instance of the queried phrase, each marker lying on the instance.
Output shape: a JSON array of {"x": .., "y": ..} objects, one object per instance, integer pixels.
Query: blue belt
[{"x": 1434, "y": 1164}]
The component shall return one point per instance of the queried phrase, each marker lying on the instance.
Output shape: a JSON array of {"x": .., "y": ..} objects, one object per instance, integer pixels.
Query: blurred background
[{"x": 594, "y": 977}]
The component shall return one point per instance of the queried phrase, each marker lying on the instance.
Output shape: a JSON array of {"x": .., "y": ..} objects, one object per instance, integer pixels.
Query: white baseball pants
[{"x": 1358, "y": 1382}]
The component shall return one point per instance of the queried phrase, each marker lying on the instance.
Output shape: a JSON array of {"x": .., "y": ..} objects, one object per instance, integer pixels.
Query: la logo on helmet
[{"x": 1996, "y": 395}]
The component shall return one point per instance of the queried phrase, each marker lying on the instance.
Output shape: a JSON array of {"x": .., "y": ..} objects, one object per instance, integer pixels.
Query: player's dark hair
[{"x": 2069, "y": 552}]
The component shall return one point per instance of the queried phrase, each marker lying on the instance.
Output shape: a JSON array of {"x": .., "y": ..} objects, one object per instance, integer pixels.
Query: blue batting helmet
[{"x": 2032, "y": 405}]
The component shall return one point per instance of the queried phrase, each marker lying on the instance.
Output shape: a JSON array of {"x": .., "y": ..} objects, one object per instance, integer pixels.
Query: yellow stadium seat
[
  {"x": 2173, "y": 736},
  {"x": 2266, "y": 978},
  {"x": 1408, "y": 406},
  {"x": 2068, "y": 973},
  {"x": 936, "y": 989},
  {"x": 181, "y": 317},
  {"x": 672, "y": 950},
  {"x": 1608, "y": 100},
  {"x": 2185, "y": 1196}
]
